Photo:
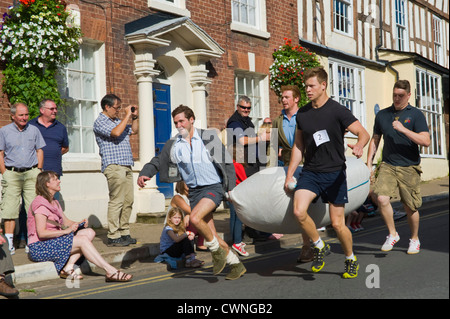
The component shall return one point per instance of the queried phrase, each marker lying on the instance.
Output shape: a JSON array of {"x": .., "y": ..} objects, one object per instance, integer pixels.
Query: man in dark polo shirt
[
  {"x": 55, "y": 136},
  {"x": 404, "y": 129}
]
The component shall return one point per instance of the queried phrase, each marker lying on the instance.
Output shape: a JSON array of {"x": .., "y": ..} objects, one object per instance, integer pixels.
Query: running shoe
[
  {"x": 414, "y": 246},
  {"x": 351, "y": 269},
  {"x": 318, "y": 262},
  {"x": 390, "y": 242}
]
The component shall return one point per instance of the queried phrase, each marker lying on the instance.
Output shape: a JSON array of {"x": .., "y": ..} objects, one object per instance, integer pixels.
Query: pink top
[{"x": 53, "y": 211}]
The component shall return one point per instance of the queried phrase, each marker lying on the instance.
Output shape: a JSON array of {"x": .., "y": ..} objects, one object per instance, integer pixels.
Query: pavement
[{"x": 148, "y": 235}]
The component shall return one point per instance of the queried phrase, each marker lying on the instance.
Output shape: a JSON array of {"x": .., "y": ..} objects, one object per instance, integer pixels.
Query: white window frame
[
  {"x": 400, "y": 22},
  {"x": 437, "y": 32},
  {"x": 355, "y": 86},
  {"x": 99, "y": 90},
  {"x": 343, "y": 21},
  {"x": 177, "y": 7},
  {"x": 259, "y": 29},
  {"x": 431, "y": 106},
  {"x": 254, "y": 86}
]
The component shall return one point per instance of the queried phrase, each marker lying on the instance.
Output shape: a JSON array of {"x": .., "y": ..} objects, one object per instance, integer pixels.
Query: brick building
[{"x": 162, "y": 53}]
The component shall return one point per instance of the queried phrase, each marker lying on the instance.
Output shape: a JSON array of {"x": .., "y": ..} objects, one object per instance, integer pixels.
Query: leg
[
  {"x": 116, "y": 198},
  {"x": 413, "y": 221},
  {"x": 198, "y": 215},
  {"x": 82, "y": 244},
  {"x": 12, "y": 184},
  {"x": 128, "y": 189},
  {"x": 337, "y": 217},
  {"x": 302, "y": 200},
  {"x": 387, "y": 212}
]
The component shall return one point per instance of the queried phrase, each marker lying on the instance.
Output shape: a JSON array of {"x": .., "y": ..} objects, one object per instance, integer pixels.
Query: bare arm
[
  {"x": 118, "y": 130},
  {"x": 40, "y": 158},
  {"x": 363, "y": 137},
  {"x": 2, "y": 162}
]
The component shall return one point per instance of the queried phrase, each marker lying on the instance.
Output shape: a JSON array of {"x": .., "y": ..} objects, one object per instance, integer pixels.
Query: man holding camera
[{"x": 113, "y": 139}]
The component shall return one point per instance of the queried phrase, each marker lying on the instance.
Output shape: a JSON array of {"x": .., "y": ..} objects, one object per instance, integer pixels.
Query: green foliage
[{"x": 36, "y": 38}]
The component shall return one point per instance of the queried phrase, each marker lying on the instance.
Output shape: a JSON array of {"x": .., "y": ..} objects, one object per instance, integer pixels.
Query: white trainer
[
  {"x": 414, "y": 246},
  {"x": 390, "y": 242}
]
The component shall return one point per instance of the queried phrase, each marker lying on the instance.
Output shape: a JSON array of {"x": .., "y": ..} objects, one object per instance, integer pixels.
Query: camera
[{"x": 133, "y": 109}]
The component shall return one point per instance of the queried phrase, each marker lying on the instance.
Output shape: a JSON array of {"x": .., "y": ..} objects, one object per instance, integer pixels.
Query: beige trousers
[{"x": 121, "y": 198}]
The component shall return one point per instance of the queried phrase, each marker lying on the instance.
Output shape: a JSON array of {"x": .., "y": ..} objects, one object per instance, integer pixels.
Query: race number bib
[{"x": 321, "y": 137}]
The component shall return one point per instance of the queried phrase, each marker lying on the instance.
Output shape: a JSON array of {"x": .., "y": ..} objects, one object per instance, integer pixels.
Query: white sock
[
  {"x": 212, "y": 245},
  {"x": 351, "y": 257},
  {"x": 10, "y": 239},
  {"x": 232, "y": 258},
  {"x": 319, "y": 244}
]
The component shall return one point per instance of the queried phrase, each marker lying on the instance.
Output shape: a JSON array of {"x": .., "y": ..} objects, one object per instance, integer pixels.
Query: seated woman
[{"x": 54, "y": 237}]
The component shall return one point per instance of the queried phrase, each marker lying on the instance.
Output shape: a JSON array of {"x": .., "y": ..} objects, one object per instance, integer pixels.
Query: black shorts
[
  {"x": 331, "y": 187},
  {"x": 213, "y": 192}
]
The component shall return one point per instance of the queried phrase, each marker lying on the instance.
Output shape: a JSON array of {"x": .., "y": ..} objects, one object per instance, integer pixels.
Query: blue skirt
[{"x": 56, "y": 250}]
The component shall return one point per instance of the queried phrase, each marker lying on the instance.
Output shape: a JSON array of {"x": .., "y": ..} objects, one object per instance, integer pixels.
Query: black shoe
[
  {"x": 117, "y": 242},
  {"x": 128, "y": 238}
]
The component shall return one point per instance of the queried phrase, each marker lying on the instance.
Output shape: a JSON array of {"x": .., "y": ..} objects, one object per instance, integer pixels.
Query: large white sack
[{"x": 261, "y": 202}]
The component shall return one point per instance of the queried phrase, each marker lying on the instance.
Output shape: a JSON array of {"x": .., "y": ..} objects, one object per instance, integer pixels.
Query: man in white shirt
[{"x": 200, "y": 159}]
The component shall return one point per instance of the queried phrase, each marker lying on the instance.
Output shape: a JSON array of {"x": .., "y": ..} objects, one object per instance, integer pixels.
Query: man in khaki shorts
[
  {"x": 21, "y": 159},
  {"x": 404, "y": 129}
]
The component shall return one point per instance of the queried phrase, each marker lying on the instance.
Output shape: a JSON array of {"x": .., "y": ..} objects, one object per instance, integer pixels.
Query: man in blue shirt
[
  {"x": 113, "y": 139},
  {"x": 55, "y": 136}
]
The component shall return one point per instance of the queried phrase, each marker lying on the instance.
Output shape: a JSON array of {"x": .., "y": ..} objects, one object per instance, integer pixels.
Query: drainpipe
[{"x": 388, "y": 63}]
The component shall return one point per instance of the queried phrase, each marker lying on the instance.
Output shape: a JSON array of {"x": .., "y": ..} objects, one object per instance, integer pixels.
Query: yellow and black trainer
[
  {"x": 318, "y": 262},
  {"x": 351, "y": 269}
]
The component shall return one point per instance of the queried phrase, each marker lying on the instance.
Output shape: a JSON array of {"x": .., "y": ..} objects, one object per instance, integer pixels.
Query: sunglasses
[{"x": 245, "y": 107}]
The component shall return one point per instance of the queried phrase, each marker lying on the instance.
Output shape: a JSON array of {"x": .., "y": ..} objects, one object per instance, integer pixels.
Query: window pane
[
  {"x": 78, "y": 85},
  {"x": 88, "y": 86},
  {"x": 88, "y": 140},
  {"x": 74, "y": 139},
  {"x": 74, "y": 84}
]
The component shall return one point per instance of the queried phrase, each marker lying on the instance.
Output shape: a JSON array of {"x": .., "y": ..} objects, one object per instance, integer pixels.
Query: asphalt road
[{"x": 275, "y": 276}]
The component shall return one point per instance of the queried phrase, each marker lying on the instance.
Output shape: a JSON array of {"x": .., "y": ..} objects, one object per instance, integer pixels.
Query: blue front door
[{"x": 163, "y": 125}]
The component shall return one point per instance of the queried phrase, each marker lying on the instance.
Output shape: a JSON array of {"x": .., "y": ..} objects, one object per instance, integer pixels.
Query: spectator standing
[
  {"x": 55, "y": 136},
  {"x": 21, "y": 160},
  {"x": 113, "y": 139}
]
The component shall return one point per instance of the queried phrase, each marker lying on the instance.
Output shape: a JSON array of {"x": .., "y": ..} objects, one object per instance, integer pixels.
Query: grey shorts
[{"x": 213, "y": 192}]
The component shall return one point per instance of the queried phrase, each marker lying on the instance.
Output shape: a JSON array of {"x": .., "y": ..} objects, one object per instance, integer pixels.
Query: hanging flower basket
[
  {"x": 35, "y": 40},
  {"x": 288, "y": 67}
]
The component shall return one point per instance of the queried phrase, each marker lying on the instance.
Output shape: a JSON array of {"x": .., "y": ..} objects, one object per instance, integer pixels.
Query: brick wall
[{"x": 104, "y": 21}]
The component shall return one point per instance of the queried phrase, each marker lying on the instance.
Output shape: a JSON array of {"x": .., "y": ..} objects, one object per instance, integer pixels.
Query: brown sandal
[
  {"x": 116, "y": 277},
  {"x": 69, "y": 274}
]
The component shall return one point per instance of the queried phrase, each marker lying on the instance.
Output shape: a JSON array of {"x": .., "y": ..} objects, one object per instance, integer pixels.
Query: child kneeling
[{"x": 176, "y": 241}]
